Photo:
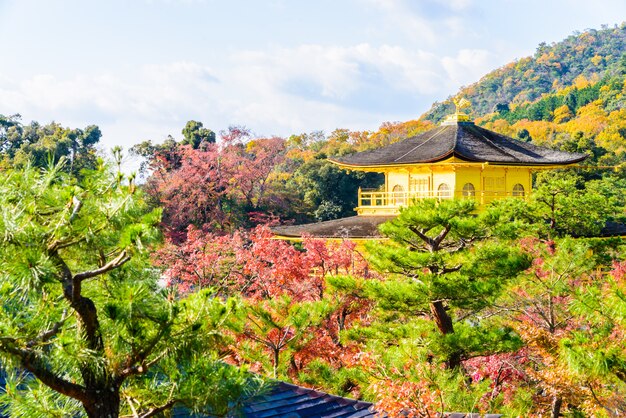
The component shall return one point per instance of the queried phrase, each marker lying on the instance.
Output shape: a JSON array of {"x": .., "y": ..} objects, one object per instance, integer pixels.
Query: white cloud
[
  {"x": 400, "y": 17},
  {"x": 455, "y": 5},
  {"x": 275, "y": 91},
  {"x": 468, "y": 66}
]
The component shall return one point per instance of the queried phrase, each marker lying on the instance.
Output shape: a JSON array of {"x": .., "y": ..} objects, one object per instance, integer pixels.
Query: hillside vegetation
[{"x": 569, "y": 95}]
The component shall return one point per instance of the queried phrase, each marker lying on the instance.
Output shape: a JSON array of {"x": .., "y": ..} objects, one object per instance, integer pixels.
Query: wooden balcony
[{"x": 376, "y": 202}]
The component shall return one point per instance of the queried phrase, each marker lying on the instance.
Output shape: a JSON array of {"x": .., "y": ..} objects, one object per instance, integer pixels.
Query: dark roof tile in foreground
[
  {"x": 465, "y": 141},
  {"x": 351, "y": 227},
  {"x": 291, "y": 401}
]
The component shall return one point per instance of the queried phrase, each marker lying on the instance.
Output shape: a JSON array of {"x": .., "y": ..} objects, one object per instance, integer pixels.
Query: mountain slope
[{"x": 593, "y": 54}]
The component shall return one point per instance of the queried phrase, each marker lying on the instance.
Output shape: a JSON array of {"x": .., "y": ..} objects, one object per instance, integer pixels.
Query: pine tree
[
  {"x": 441, "y": 273},
  {"x": 85, "y": 327}
]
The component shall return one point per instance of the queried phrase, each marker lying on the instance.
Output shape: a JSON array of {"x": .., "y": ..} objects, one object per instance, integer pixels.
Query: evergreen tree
[
  {"x": 85, "y": 327},
  {"x": 443, "y": 275}
]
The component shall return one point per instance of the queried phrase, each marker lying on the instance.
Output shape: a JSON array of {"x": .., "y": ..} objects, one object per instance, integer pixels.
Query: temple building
[{"x": 455, "y": 160}]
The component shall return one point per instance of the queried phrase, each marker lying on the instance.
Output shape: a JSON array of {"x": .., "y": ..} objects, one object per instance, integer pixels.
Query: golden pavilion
[{"x": 455, "y": 160}]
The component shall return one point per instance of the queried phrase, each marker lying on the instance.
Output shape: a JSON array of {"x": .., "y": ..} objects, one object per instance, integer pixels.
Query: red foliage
[
  {"x": 619, "y": 271},
  {"x": 260, "y": 268},
  {"x": 212, "y": 187},
  {"x": 505, "y": 371},
  {"x": 275, "y": 268},
  {"x": 256, "y": 265},
  {"x": 406, "y": 398},
  {"x": 203, "y": 260}
]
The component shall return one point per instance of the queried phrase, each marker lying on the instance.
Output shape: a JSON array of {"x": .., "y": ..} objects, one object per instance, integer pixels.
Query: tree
[
  {"x": 322, "y": 184},
  {"x": 36, "y": 144},
  {"x": 564, "y": 204},
  {"x": 540, "y": 305},
  {"x": 83, "y": 317},
  {"x": 195, "y": 133},
  {"x": 440, "y": 272},
  {"x": 278, "y": 325},
  {"x": 217, "y": 187}
]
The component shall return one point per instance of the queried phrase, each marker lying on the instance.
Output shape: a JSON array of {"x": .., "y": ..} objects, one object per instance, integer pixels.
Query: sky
[{"x": 140, "y": 69}]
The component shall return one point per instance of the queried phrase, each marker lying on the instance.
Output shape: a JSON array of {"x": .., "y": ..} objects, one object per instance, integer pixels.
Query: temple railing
[{"x": 379, "y": 199}]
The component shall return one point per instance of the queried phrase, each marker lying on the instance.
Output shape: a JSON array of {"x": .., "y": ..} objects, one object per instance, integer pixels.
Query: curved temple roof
[
  {"x": 465, "y": 141},
  {"x": 353, "y": 227}
]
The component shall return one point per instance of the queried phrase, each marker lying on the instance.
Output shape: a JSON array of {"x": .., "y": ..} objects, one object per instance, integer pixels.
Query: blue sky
[{"x": 141, "y": 68}]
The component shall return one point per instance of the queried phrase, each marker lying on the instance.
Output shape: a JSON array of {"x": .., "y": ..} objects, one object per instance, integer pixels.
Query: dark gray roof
[
  {"x": 463, "y": 140},
  {"x": 351, "y": 227},
  {"x": 287, "y": 400},
  {"x": 291, "y": 401}
]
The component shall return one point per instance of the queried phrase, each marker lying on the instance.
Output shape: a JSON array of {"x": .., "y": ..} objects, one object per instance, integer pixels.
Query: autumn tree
[
  {"x": 85, "y": 327},
  {"x": 215, "y": 186},
  {"x": 279, "y": 283},
  {"x": 539, "y": 303}
]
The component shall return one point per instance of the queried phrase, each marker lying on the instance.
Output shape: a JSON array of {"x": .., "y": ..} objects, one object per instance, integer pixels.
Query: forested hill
[{"x": 593, "y": 54}]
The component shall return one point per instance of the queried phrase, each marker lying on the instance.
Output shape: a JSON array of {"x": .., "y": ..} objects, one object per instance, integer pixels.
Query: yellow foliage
[
  {"x": 581, "y": 82},
  {"x": 562, "y": 114},
  {"x": 590, "y": 120},
  {"x": 305, "y": 155},
  {"x": 597, "y": 59},
  {"x": 541, "y": 131},
  {"x": 612, "y": 137}
]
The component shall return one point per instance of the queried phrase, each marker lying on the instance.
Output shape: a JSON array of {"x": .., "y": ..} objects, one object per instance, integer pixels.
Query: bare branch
[
  {"x": 439, "y": 238},
  {"x": 78, "y": 204},
  {"x": 111, "y": 265},
  {"x": 141, "y": 368}
]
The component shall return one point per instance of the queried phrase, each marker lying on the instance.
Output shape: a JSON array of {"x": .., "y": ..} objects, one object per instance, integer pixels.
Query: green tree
[
  {"x": 36, "y": 144},
  {"x": 85, "y": 327},
  {"x": 327, "y": 191},
  {"x": 195, "y": 133},
  {"x": 279, "y": 326},
  {"x": 564, "y": 204},
  {"x": 443, "y": 275}
]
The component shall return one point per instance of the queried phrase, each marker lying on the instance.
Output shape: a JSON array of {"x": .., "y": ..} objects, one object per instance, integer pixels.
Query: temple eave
[{"x": 352, "y": 228}]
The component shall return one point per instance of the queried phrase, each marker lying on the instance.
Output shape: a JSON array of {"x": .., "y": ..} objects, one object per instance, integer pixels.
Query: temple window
[
  {"x": 518, "y": 190},
  {"x": 443, "y": 190},
  {"x": 419, "y": 185},
  {"x": 469, "y": 190},
  {"x": 397, "y": 196}
]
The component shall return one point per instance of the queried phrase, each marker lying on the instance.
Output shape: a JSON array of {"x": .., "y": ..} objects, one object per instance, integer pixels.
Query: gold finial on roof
[{"x": 460, "y": 103}]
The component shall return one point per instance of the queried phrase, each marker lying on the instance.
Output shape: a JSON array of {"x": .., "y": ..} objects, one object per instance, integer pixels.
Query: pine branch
[
  {"x": 141, "y": 356},
  {"x": 140, "y": 368},
  {"x": 118, "y": 261},
  {"x": 32, "y": 363},
  {"x": 45, "y": 336},
  {"x": 154, "y": 411}
]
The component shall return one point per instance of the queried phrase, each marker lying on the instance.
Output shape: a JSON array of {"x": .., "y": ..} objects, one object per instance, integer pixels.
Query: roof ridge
[
  {"x": 423, "y": 143},
  {"x": 490, "y": 142},
  {"x": 456, "y": 139}
]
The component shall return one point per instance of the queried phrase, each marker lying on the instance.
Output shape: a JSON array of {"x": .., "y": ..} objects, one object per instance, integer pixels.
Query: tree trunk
[
  {"x": 444, "y": 323},
  {"x": 105, "y": 404},
  {"x": 441, "y": 317},
  {"x": 557, "y": 402},
  {"x": 276, "y": 360}
]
